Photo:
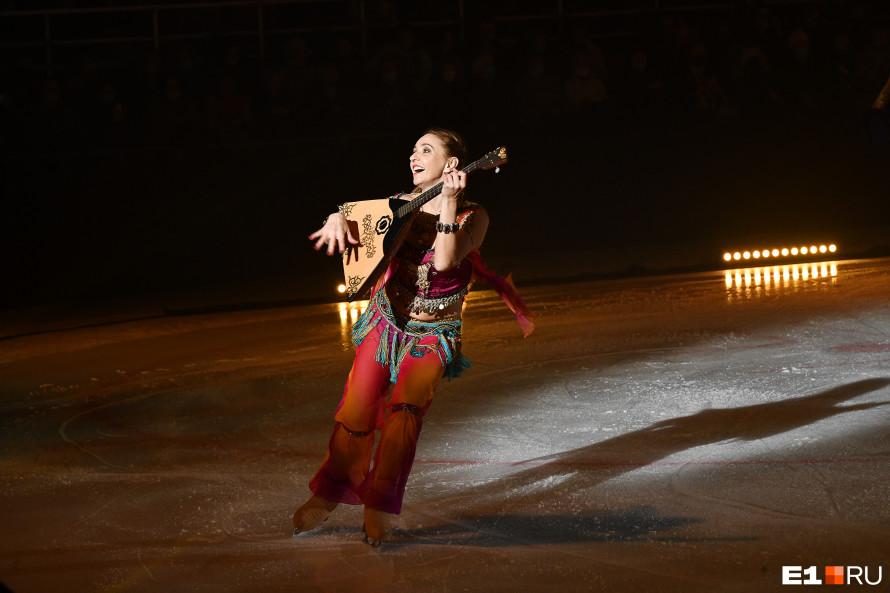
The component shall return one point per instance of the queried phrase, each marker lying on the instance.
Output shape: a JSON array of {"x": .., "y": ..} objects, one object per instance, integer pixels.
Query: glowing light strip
[{"x": 777, "y": 252}]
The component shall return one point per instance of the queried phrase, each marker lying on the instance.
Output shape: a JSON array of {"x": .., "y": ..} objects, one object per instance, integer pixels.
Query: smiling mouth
[{"x": 417, "y": 170}]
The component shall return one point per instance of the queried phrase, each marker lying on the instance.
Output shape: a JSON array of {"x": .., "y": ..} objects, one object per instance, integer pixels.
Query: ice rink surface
[{"x": 689, "y": 433}]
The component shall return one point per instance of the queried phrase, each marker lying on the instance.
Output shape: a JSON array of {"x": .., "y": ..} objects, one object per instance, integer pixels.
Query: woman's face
[{"x": 428, "y": 161}]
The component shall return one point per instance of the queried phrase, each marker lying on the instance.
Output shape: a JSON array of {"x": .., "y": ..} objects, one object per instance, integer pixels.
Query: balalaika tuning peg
[{"x": 497, "y": 169}]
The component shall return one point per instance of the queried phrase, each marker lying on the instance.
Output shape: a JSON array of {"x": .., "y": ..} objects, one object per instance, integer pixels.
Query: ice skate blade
[
  {"x": 376, "y": 543},
  {"x": 299, "y": 531}
]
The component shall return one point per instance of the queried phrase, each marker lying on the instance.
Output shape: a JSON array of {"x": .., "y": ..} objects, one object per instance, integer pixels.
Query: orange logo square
[{"x": 834, "y": 575}]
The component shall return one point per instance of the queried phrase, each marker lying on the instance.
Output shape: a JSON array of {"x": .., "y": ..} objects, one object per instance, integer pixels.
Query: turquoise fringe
[{"x": 398, "y": 340}]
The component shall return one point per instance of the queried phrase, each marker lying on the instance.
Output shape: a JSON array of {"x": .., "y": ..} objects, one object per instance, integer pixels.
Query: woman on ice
[{"x": 409, "y": 337}]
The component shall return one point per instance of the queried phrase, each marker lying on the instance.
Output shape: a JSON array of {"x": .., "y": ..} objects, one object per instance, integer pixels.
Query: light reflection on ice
[
  {"x": 755, "y": 282},
  {"x": 349, "y": 314},
  {"x": 543, "y": 485}
]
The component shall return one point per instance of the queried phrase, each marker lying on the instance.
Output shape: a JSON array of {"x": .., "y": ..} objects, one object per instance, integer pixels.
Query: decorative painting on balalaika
[{"x": 379, "y": 226}]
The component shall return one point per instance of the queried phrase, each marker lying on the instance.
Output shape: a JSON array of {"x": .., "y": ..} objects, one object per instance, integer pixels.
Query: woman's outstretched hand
[{"x": 335, "y": 234}]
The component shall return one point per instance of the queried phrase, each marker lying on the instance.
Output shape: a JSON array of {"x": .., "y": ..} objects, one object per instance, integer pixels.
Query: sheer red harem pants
[{"x": 346, "y": 475}]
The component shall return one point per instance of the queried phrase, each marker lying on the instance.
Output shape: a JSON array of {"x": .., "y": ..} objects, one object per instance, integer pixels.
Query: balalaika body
[{"x": 380, "y": 226}]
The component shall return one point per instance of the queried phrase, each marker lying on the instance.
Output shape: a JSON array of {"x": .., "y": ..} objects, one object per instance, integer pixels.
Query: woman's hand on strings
[
  {"x": 335, "y": 234},
  {"x": 453, "y": 183}
]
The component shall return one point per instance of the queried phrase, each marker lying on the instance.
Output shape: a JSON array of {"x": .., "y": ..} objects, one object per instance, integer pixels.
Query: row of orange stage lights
[{"x": 777, "y": 253}]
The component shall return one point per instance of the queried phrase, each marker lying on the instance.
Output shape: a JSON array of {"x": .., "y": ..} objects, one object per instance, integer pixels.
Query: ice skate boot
[
  {"x": 377, "y": 527},
  {"x": 312, "y": 514}
]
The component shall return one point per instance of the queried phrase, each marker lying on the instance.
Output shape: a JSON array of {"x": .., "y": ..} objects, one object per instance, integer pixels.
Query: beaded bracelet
[{"x": 447, "y": 228}]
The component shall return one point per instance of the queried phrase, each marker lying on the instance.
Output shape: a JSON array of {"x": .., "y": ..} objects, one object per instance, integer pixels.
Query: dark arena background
[
  {"x": 151, "y": 148},
  {"x": 697, "y": 411}
]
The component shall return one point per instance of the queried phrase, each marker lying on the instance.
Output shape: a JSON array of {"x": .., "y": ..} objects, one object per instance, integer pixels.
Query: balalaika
[{"x": 379, "y": 227}]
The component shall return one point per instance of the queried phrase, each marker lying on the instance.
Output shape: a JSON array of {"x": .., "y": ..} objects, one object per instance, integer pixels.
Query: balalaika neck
[{"x": 429, "y": 194}]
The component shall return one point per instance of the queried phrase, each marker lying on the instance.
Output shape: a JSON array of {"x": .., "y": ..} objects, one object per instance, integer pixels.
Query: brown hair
[{"x": 453, "y": 143}]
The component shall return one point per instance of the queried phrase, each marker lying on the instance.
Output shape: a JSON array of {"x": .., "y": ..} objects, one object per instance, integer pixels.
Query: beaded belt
[{"x": 400, "y": 338}]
